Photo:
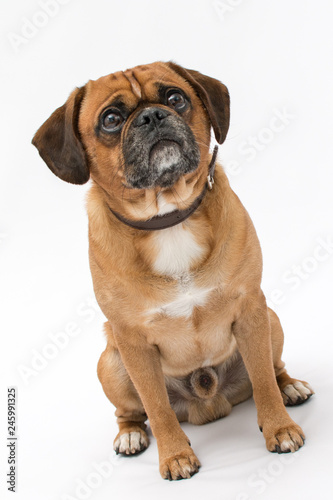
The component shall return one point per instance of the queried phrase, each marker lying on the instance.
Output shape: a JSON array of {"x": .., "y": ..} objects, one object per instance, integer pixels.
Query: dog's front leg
[
  {"x": 253, "y": 336},
  {"x": 142, "y": 362}
]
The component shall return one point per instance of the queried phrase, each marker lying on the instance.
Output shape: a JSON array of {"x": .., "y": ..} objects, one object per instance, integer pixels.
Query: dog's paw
[
  {"x": 286, "y": 439},
  {"x": 131, "y": 443},
  {"x": 181, "y": 466},
  {"x": 296, "y": 393}
]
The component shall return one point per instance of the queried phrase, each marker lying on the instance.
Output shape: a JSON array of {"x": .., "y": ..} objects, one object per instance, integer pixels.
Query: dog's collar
[{"x": 171, "y": 219}]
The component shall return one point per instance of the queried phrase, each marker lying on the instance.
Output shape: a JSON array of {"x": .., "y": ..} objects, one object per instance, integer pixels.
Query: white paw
[
  {"x": 130, "y": 443},
  {"x": 296, "y": 393},
  {"x": 288, "y": 438},
  {"x": 289, "y": 445}
]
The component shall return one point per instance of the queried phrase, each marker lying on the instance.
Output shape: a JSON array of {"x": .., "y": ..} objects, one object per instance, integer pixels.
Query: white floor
[{"x": 275, "y": 57}]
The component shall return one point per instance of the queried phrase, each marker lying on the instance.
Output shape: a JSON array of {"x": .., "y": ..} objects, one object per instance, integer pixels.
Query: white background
[{"x": 275, "y": 57}]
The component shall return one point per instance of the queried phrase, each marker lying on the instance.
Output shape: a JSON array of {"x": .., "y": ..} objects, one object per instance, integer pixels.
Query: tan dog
[{"x": 175, "y": 260}]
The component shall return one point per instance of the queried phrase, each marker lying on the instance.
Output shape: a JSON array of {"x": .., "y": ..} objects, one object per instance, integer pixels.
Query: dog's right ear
[{"x": 58, "y": 141}]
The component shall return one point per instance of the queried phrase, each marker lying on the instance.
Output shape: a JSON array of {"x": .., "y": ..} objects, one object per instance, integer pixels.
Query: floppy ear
[
  {"x": 58, "y": 141},
  {"x": 213, "y": 94}
]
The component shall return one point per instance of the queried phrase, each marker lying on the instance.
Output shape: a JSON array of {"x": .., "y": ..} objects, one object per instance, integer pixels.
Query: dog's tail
[{"x": 204, "y": 382}]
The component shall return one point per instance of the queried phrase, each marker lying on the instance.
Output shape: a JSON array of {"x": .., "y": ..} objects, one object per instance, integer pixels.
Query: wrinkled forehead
[{"x": 129, "y": 87}]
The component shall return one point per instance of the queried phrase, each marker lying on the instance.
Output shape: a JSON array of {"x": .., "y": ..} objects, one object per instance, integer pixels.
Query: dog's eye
[
  {"x": 111, "y": 120},
  {"x": 176, "y": 100}
]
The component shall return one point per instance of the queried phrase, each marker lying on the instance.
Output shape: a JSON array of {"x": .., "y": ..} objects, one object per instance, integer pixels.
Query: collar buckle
[
  {"x": 210, "y": 182},
  {"x": 211, "y": 170}
]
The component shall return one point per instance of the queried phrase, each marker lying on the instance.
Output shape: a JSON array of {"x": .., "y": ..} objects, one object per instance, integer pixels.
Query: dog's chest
[
  {"x": 186, "y": 298},
  {"x": 176, "y": 251}
]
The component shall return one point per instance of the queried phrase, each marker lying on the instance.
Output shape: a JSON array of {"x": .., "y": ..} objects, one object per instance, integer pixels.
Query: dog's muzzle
[{"x": 159, "y": 148}]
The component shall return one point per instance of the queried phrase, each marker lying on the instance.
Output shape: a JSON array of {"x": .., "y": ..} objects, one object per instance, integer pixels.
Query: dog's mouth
[
  {"x": 165, "y": 164},
  {"x": 164, "y": 153},
  {"x": 166, "y": 161}
]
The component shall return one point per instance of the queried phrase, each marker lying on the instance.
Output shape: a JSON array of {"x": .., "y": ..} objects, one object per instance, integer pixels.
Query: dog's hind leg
[
  {"x": 120, "y": 390},
  {"x": 293, "y": 391}
]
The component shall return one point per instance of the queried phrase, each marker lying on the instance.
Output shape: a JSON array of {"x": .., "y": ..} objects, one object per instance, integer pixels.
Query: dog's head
[{"x": 147, "y": 128}]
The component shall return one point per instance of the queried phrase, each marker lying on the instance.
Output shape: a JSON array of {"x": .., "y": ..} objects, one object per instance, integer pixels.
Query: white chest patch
[
  {"x": 185, "y": 301},
  {"x": 177, "y": 249}
]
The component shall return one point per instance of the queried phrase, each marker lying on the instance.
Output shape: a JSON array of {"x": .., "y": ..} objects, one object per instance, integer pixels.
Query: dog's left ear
[
  {"x": 59, "y": 144},
  {"x": 213, "y": 94}
]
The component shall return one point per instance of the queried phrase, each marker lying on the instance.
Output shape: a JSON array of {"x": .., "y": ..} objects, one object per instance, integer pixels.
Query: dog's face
[{"x": 143, "y": 129}]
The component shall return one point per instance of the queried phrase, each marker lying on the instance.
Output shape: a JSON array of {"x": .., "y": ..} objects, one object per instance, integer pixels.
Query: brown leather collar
[{"x": 171, "y": 219}]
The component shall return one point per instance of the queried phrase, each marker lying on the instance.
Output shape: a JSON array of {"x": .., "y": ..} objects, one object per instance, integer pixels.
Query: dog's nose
[{"x": 149, "y": 116}]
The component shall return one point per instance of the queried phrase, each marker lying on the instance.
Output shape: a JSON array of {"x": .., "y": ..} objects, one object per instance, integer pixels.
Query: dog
[{"x": 175, "y": 261}]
